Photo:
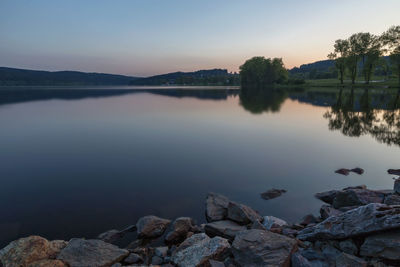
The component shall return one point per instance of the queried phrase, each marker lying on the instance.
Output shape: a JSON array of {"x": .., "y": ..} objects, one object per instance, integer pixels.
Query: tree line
[{"x": 367, "y": 49}]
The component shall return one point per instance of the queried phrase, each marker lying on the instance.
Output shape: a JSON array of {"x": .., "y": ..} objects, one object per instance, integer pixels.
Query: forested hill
[
  {"x": 201, "y": 77},
  {"x": 12, "y": 76},
  {"x": 323, "y": 69}
]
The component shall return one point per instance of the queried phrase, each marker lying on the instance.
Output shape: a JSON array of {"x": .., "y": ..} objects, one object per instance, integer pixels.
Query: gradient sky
[{"x": 146, "y": 37}]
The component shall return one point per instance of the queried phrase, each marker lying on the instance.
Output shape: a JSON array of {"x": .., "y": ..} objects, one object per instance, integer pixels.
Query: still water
[{"x": 77, "y": 162}]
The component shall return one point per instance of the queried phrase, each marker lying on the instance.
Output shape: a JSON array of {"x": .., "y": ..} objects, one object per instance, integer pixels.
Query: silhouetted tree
[{"x": 261, "y": 72}]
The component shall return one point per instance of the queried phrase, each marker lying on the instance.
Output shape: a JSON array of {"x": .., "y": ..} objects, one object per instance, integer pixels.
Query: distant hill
[
  {"x": 323, "y": 69},
  {"x": 12, "y": 76},
  {"x": 201, "y": 77}
]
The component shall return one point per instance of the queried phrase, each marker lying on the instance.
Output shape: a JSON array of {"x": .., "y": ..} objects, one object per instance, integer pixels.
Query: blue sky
[{"x": 146, "y": 37}]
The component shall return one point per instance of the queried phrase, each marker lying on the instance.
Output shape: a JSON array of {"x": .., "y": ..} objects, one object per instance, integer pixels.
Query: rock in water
[
  {"x": 384, "y": 245},
  {"x": 357, "y": 170},
  {"x": 151, "y": 226},
  {"x": 81, "y": 252},
  {"x": 343, "y": 171},
  {"x": 273, "y": 222},
  {"x": 262, "y": 248},
  {"x": 394, "y": 171},
  {"x": 272, "y": 193},
  {"x": 181, "y": 226},
  {"x": 30, "y": 250},
  {"x": 357, "y": 197},
  {"x": 242, "y": 214},
  {"x": 198, "y": 249},
  {"x": 327, "y": 196},
  {"x": 367, "y": 219},
  {"x": 226, "y": 229},
  {"x": 216, "y": 207}
]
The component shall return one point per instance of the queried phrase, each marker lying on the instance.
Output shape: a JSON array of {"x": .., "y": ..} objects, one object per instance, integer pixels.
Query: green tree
[
  {"x": 370, "y": 54},
  {"x": 339, "y": 55},
  {"x": 391, "y": 43},
  {"x": 260, "y": 72}
]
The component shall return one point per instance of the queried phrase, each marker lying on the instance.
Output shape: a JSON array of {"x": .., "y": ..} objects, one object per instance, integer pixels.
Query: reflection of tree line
[
  {"x": 258, "y": 100},
  {"x": 355, "y": 119}
]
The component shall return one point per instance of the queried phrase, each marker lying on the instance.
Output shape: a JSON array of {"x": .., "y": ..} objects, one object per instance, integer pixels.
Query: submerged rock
[
  {"x": 343, "y": 171},
  {"x": 199, "y": 249},
  {"x": 360, "y": 221},
  {"x": 227, "y": 229},
  {"x": 394, "y": 171},
  {"x": 272, "y": 193},
  {"x": 384, "y": 245},
  {"x": 262, "y": 248},
  {"x": 151, "y": 226},
  {"x": 357, "y": 170},
  {"x": 81, "y": 252},
  {"x": 242, "y": 214},
  {"x": 216, "y": 207}
]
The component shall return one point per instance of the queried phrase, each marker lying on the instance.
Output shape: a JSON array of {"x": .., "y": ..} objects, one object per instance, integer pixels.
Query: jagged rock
[
  {"x": 343, "y": 171},
  {"x": 181, "y": 226},
  {"x": 216, "y": 207},
  {"x": 199, "y": 248},
  {"x": 227, "y": 229},
  {"x": 383, "y": 245},
  {"x": 151, "y": 226},
  {"x": 357, "y": 197},
  {"x": 81, "y": 252},
  {"x": 28, "y": 250},
  {"x": 272, "y": 193},
  {"x": 357, "y": 170},
  {"x": 273, "y": 222},
  {"x": 308, "y": 219},
  {"x": 394, "y": 172},
  {"x": 396, "y": 186},
  {"x": 110, "y": 236},
  {"x": 262, "y": 248},
  {"x": 133, "y": 258},
  {"x": 348, "y": 246},
  {"x": 327, "y": 211},
  {"x": 327, "y": 196},
  {"x": 346, "y": 260},
  {"x": 242, "y": 214},
  {"x": 360, "y": 221},
  {"x": 393, "y": 199},
  {"x": 299, "y": 261}
]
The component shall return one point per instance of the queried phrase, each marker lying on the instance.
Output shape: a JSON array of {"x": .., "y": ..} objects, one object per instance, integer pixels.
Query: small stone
[
  {"x": 343, "y": 171},
  {"x": 116, "y": 265},
  {"x": 309, "y": 219},
  {"x": 358, "y": 170},
  {"x": 227, "y": 229},
  {"x": 273, "y": 222},
  {"x": 161, "y": 251},
  {"x": 110, "y": 236},
  {"x": 272, "y": 193},
  {"x": 156, "y": 260},
  {"x": 151, "y": 226},
  {"x": 133, "y": 258},
  {"x": 47, "y": 263},
  {"x": 242, "y": 214},
  {"x": 348, "y": 247}
]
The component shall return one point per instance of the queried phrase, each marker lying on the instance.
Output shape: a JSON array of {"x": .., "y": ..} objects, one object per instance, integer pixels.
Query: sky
[{"x": 148, "y": 37}]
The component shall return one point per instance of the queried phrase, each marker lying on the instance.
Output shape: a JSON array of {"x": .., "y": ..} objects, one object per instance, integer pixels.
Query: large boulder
[
  {"x": 81, "y": 252},
  {"x": 227, "y": 229},
  {"x": 360, "y": 221},
  {"x": 198, "y": 249},
  {"x": 384, "y": 245},
  {"x": 216, "y": 207},
  {"x": 262, "y": 248},
  {"x": 30, "y": 250},
  {"x": 327, "y": 196},
  {"x": 357, "y": 197},
  {"x": 151, "y": 226},
  {"x": 242, "y": 214},
  {"x": 180, "y": 228}
]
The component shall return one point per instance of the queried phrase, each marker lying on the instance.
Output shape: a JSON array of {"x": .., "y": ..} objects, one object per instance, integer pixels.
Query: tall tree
[
  {"x": 391, "y": 42},
  {"x": 371, "y": 48},
  {"x": 339, "y": 55},
  {"x": 354, "y": 54}
]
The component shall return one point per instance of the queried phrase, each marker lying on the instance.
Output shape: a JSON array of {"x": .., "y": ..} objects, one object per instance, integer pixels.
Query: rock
[
  {"x": 28, "y": 250},
  {"x": 312, "y": 255},
  {"x": 327, "y": 211},
  {"x": 289, "y": 232},
  {"x": 199, "y": 249},
  {"x": 161, "y": 251},
  {"x": 81, "y": 252},
  {"x": 110, "y": 236},
  {"x": 116, "y": 265},
  {"x": 360, "y": 221},
  {"x": 273, "y": 222},
  {"x": 330, "y": 252},
  {"x": 348, "y": 247},
  {"x": 394, "y": 172},
  {"x": 393, "y": 199},
  {"x": 48, "y": 263},
  {"x": 262, "y": 248},
  {"x": 258, "y": 225},
  {"x": 133, "y": 258},
  {"x": 327, "y": 196},
  {"x": 272, "y": 193},
  {"x": 216, "y": 207},
  {"x": 242, "y": 214},
  {"x": 396, "y": 186},
  {"x": 346, "y": 260},
  {"x": 181, "y": 226},
  {"x": 357, "y": 197},
  {"x": 309, "y": 219},
  {"x": 299, "y": 261},
  {"x": 156, "y": 260},
  {"x": 214, "y": 263},
  {"x": 343, "y": 171},
  {"x": 357, "y": 170},
  {"x": 151, "y": 226},
  {"x": 226, "y": 229},
  {"x": 383, "y": 245}
]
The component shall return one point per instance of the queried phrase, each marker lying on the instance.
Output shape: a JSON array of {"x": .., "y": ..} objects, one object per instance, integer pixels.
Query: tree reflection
[
  {"x": 258, "y": 100},
  {"x": 361, "y": 114}
]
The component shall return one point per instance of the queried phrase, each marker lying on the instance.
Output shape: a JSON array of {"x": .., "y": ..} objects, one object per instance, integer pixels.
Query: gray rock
[
  {"x": 180, "y": 227},
  {"x": 312, "y": 255},
  {"x": 299, "y": 261},
  {"x": 393, "y": 199},
  {"x": 116, "y": 265},
  {"x": 343, "y": 171},
  {"x": 346, "y": 260},
  {"x": 358, "y": 170},
  {"x": 258, "y": 225},
  {"x": 227, "y": 229},
  {"x": 214, "y": 263},
  {"x": 272, "y": 193},
  {"x": 384, "y": 245},
  {"x": 273, "y": 222},
  {"x": 161, "y": 251},
  {"x": 199, "y": 249},
  {"x": 330, "y": 252},
  {"x": 81, "y": 252},
  {"x": 133, "y": 258},
  {"x": 326, "y": 211},
  {"x": 348, "y": 247},
  {"x": 357, "y": 197},
  {"x": 242, "y": 214},
  {"x": 396, "y": 186},
  {"x": 216, "y": 207},
  {"x": 262, "y": 248},
  {"x": 110, "y": 236},
  {"x": 327, "y": 196},
  {"x": 308, "y": 219},
  {"x": 151, "y": 226},
  {"x": 156, "y": 260},
  {"x": 363, "y": 220}
]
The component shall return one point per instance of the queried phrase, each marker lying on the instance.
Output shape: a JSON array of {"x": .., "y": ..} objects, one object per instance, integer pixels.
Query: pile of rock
[{"x": 357, "y": 227}]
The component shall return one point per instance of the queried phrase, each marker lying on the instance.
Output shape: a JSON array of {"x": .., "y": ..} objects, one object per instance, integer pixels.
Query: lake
[{"x": 76, "y": 162}]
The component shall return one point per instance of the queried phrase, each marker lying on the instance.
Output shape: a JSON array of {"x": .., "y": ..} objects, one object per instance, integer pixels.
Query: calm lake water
[{"x": 77, "y": 162}]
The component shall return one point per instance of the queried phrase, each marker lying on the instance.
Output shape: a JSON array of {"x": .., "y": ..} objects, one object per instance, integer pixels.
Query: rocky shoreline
[{"x": 356, "y": 227}]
